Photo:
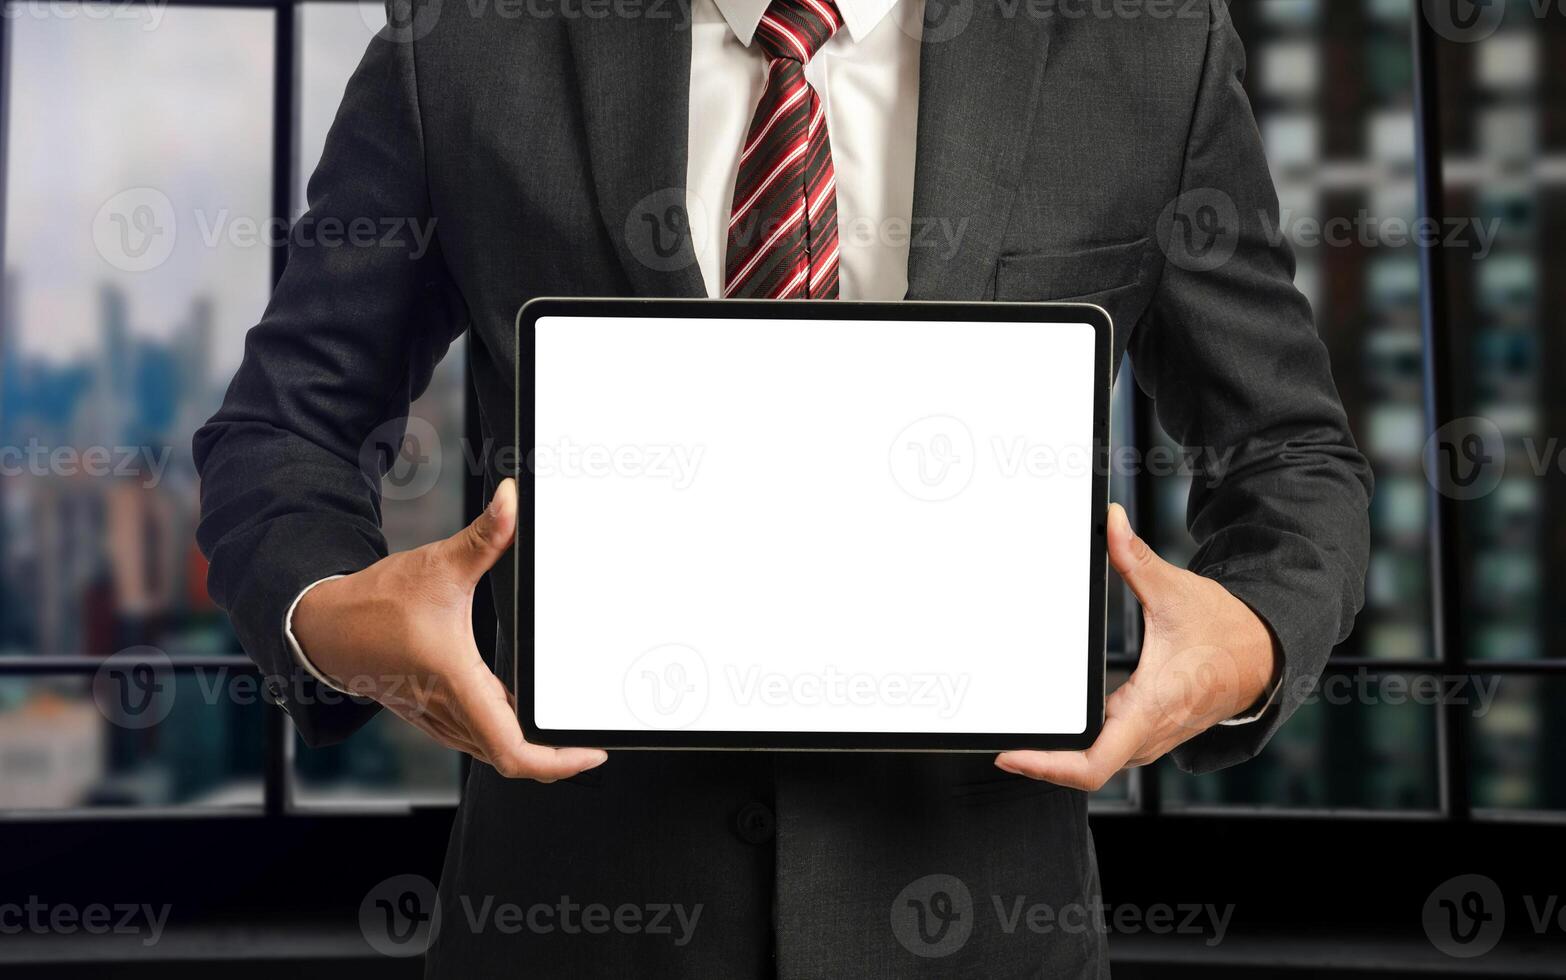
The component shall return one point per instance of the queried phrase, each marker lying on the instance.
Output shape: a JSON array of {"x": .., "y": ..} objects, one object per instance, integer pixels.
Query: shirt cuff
[
  {"x": 1244, "y": 719},
  {"x": 293, "y": 642}
]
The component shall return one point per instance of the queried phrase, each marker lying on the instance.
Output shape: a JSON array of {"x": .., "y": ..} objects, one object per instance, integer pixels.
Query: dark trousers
[{"x": 741, "y": 865}]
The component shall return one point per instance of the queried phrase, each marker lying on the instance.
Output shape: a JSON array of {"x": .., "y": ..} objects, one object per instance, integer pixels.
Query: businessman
[{"x": 809, "y": 149}]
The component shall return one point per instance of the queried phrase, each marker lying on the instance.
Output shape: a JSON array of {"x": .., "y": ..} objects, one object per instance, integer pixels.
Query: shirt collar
[{"x": 859, "y": 16}]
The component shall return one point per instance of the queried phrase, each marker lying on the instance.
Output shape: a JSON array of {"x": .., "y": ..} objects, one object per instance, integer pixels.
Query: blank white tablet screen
[{"x": 771, "y": 525}]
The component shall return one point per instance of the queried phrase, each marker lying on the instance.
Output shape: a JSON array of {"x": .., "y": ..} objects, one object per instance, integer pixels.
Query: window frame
[{"x": 320, "y": 833}]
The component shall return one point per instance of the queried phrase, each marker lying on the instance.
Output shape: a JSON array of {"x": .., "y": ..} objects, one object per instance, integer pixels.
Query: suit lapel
[
  {"x": 978, "y": 93},
  {"x": 634, "y": 78}
]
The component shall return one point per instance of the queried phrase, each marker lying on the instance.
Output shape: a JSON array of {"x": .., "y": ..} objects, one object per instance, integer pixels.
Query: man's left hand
[{"x": 1206, "y": 658}]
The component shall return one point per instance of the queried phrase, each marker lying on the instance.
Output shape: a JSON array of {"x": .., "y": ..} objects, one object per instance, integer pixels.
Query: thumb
[
  {"x": 1150, "y": 577},
  {"x": 474, "y": 550}
]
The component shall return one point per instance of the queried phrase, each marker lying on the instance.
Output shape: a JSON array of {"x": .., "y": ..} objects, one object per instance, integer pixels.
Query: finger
[
  {"x": 1120, "y": 739},
  {"x": 474, "y": 550},
  {"x": 492, "y": 724},
  {"x": 1150, "y": 577},
  {"x": 547, "y": 764}
]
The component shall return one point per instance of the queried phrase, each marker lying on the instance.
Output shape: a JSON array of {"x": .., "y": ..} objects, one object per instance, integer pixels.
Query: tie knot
[{"x": 796, "y": 29}]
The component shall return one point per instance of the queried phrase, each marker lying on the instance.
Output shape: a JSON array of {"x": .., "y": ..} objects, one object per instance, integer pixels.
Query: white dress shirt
[{"x": 868, "y": 77}]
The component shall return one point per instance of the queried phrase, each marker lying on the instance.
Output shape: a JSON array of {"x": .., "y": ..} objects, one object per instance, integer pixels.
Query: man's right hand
[{"x": 401, "y": 632}]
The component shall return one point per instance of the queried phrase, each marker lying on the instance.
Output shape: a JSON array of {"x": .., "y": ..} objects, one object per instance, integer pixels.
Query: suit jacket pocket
[
  {"x": 1120, "y": 278},
  {"x": 1060, "y": 277}
]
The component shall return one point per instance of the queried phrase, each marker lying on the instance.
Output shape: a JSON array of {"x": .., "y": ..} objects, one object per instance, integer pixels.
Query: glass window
[
  {"x": 333, "y": 38},
  {"x": 1341, "y": 143},
  {"x": 1519, "y": 745},
  {"x": 131, "y": 737},
  {"x": 135, "y": 261},
  {"x": 1362, "y": 741},
  {"x": 388, "y": 761},
  {"x": 1506, "y": 191},
  {"x": 1342, "y": 154},
  {"x": 137, "y": 229}
]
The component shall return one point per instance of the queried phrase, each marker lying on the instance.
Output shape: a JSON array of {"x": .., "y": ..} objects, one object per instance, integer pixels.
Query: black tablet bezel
[{"x": 522, "y": 600}]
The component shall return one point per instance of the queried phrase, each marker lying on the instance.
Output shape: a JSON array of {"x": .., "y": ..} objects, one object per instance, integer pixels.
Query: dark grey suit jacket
[{"x": 1075, "y": 154}]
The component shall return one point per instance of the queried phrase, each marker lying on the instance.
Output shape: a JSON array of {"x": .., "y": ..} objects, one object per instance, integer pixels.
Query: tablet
[{"x": 811, "y": 525}]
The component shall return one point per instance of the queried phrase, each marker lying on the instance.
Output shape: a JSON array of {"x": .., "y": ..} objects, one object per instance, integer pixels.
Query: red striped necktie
[{"x": 783, "y": 225}]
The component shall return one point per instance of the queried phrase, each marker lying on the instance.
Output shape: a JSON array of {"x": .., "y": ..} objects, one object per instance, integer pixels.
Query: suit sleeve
[
  {"x": 291, "y": 464},
  {"x": 1231, "y": 357}
]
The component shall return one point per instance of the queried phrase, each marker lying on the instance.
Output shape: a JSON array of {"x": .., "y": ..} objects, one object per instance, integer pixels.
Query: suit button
[
  {"x": 276, "y": 693},
  {"x": 755, "y": 823}
]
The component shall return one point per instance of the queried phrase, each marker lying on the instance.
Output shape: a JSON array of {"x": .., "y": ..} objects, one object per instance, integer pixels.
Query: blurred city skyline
[{"x": 94, "y": 354}]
